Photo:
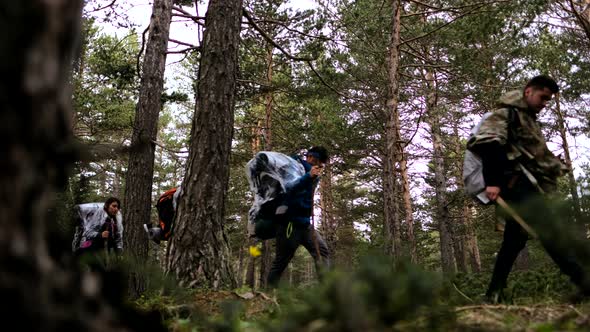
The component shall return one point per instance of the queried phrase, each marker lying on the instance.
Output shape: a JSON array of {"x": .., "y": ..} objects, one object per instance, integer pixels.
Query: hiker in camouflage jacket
[{"x": 518, "y": 166}]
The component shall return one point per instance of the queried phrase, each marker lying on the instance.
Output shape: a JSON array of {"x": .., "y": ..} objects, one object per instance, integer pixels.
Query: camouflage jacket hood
[
  {"x": 527, "y": 144},
  {"x": 513, "y": 99}
]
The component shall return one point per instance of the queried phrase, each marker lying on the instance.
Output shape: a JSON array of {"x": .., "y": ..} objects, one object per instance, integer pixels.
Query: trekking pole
[{"x": 516, "y": 217}]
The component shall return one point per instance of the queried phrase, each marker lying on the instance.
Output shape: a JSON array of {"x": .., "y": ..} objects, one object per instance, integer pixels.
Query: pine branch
[
  {"x": 183, "y": 13},
  {"x": 104, "y": 7},
  {"x": 271, "y": 40},
  {"x": 472, "y": 11}
]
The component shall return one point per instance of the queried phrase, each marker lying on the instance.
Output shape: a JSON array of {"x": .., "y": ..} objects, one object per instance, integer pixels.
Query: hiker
[
  {"x": 269, "y": 174},
  {"x": 166, "y": 206},
  {"x": 99, "y": 227},
  {"x": 518, "y": 167},
  {"x": 293, "y": 228}
]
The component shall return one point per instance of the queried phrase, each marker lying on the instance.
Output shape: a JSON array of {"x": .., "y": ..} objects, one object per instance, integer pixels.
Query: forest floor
[
  {"x": 259, "y": 306},
  {"x": 541, "y": 317}
]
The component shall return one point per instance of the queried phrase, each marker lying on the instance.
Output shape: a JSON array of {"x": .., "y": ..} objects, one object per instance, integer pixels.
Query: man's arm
[
  {"x": 494, "y": 162},
  {"x": 304, "y": 180},
  {"x": 490, "y": 144},
  {"x": 299, "y": 183}
]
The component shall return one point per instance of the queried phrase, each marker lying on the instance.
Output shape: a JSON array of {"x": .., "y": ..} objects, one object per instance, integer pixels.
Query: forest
[{"x": 130, "y": 98}]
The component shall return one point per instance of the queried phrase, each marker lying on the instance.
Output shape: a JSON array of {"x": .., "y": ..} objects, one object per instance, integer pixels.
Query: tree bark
[
  {"x": 392, "y": 224},
  {"x": 568, "y": 159},
  {"x": 267, "y": 245},
  {"x": 251, "y": 267},
  {"x": 140, "y": 172},
  {"x": 407, "y": 200},
  {"x": 199, "y": 252},
  {"x": 329, "y": 224},
  {"x": 443, "y": 217},
  {"x": 471, "y": 247},
  {"x": 43, "y": 288}
]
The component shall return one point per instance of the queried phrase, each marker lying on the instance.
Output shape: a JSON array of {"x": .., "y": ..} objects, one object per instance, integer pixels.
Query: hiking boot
[{"x": 153, "y": 233}]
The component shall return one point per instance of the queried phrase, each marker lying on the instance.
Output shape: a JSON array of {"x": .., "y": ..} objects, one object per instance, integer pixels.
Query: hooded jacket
[
  {"x": 299, "y": 196},
  {"x": 500, "y": 145}
]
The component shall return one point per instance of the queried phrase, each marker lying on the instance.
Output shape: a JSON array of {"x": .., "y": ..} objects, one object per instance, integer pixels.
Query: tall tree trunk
[
  {"x": 443, "y": 217},
  {"x": 343, "y": 250},
  {"x": 243, "y": 248},
  {"x": 583, "y": 16},
  {"x": 568, "y": 160},
  {"x": 407, "y": 200},
  {"x": 140, "y": 172},
  {"x": 251, "y": 267},
  {"x": 117, "y": 181},
  {"x": 43, "y": 288},
  {"x": 392, "y": 224},
  {"x": 199, "y": 252},
  {"x": 471, "y": 247},
  {"x": 329, "y": 225},
  {"x": 267, "y": 245}
]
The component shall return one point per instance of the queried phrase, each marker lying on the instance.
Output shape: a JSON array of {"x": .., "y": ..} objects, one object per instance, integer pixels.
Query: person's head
[
  {"x": 539, "y": 91},
  {"x": 317, "y": 156},
  {"x": 112, "y": 206}
]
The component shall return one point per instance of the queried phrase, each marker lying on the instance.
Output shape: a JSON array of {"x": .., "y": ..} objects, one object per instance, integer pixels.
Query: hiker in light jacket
[{"x": 99, "y": 226}]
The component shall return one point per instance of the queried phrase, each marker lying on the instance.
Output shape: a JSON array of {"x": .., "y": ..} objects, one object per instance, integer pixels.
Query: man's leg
[
  {"x": 514, "y": 241},
  {"x": 313, "y": 242},
  {"x": 286, "y": 245}
]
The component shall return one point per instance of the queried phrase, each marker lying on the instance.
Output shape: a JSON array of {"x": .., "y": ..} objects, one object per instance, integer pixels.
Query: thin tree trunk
[
  {"x": 243, "y": 254},
  {"x": 344, "y": 249},
  {"x": 568, "y": 160},
  {"x": 265, "y": 262},
  {"x": 199, "y": 253},
  {"x": 407, "y": 200},
  {"x": 267, "y": 245},
  {"x": 117, "y": 182},
  {"x": 582, "y": 17},
  {"x": 251, "y": 267},
  {"x": 471, "y": 247},
  {"x": 392, "y": 224},
  {"x": 140, "y": 172},
  {"x": 443, "y": 217},
  {"x": 329, "y": 225}
]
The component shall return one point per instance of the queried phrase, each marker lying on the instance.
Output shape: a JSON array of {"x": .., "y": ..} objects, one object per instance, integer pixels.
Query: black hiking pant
[
  {"x": 288, "y": 240},
  {"x": 557, "y": 236}
]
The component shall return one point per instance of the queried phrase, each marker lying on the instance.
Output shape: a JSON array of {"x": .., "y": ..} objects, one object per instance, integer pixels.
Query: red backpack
[{"x": 166, "y": 212}]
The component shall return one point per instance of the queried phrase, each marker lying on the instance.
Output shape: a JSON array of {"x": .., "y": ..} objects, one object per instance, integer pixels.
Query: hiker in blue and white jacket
[
  {"x": 100, "y": 227},
  {"x": 294, "y": 227}
]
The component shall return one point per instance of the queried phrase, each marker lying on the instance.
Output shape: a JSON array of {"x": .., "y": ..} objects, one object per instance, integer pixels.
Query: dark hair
[
  {"x": 543, "y": 81},
  {"x": 110, "y": 201},
  {"x": 321, "y": 152}
]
